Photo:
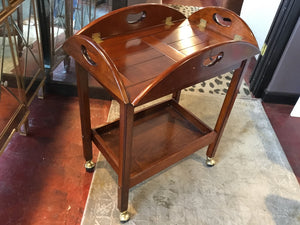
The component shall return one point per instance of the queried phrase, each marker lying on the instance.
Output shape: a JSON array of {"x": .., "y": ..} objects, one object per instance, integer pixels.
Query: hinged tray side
[
  {"x": 93, "y": 59},
  {"x": 223, "y": 22},
  {"x": 131, "y": 19},
  {"x": 197, "y": 67}
]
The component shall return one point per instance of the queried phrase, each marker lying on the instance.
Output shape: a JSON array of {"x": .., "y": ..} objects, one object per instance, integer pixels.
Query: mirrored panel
[{"x": 66, "y": 18}]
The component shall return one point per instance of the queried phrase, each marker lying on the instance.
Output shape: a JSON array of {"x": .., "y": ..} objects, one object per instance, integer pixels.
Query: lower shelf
[{"x": 162, "y": 135}]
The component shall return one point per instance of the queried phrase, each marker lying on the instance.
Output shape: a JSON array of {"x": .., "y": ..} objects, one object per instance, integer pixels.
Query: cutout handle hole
[
  {"x": 86, "y": 56},
  {"x": 212, "y": 60},
  {"x": 133, "y": 18},
  {"x": 222, "y": 21}
]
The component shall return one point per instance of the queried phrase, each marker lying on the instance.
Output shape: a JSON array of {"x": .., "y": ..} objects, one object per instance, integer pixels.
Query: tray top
[
  {"x": 144, "y": 57},
  {"x": 145, "y": 43}
]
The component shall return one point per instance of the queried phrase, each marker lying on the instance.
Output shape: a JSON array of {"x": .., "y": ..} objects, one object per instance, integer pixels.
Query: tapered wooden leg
[
  {"x": 225, "y": 110},
  {"x": 176, "y": 96},
  {"x": 84, "y": 105},
  {"x": 126, "y": 130}
]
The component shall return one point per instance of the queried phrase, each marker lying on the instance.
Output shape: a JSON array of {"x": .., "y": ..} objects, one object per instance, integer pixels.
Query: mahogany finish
[{"x": 141, "y": 53}]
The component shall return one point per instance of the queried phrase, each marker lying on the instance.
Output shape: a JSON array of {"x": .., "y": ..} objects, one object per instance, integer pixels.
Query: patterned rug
[
  {"x": 219, "y": 85},
  {"x": 186, "y": 10}
]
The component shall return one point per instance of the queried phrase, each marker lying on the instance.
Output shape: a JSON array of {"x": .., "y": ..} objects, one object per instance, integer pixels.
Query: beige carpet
[{"x": 252, "y": 182}]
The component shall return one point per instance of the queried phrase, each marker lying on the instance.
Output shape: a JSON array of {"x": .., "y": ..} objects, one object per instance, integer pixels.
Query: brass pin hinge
[
  {"x": 238, "y": 37},
  {"x": 97, "y": 38},
  {"x": 168, "y": 21},
  {"x": 202, "y": 24}
]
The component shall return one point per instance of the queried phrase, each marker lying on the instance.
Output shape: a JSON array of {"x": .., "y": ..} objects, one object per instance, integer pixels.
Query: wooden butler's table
[{"x": 141, "y": 53}]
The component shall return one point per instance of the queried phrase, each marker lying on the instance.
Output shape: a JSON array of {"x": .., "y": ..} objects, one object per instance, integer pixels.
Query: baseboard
[
  {"x": 280, "y": 98},
  {"x": 70, "y": 90}
]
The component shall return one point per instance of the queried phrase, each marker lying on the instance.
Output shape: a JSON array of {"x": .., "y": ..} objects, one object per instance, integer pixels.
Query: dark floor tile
[{"x": 287, "y": 129}]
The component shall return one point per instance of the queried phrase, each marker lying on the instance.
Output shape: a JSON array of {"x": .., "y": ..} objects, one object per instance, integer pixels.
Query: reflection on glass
[{"x": 84, "y": 12}]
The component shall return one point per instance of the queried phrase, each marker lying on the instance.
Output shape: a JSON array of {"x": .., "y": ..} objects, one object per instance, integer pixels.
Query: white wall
[{"x": 259, "y": 14}]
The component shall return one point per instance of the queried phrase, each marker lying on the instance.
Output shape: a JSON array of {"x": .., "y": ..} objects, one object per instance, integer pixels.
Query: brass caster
[
  {"x": 89, "y": 166},
  {"x": 124, "y": 216},
  {"x": 210, "y": 161}
]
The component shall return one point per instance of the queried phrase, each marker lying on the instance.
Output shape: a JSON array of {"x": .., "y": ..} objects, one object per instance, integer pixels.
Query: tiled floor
[{"x": 42, "y": 178}]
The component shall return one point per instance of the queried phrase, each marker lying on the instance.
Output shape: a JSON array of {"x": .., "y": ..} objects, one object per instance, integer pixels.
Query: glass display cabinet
[
  {"x": 32, "y": 33},
  {"x": 21, "y": 66}
]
